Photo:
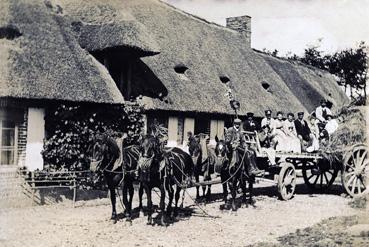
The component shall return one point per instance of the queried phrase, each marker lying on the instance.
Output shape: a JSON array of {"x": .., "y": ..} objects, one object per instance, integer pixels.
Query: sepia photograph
[{"x": 184, "y": 123}]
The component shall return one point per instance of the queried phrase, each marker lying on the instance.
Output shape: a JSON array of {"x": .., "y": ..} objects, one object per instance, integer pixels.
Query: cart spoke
[
  {"x": 326, "y": 178},
  {"x": 353, "y": 185},
  {"x": 362, "y": 182},
  {"x": 316, "y": 179},
  {"x": 364, "y": 164},
  {"x": 361, "y": 158},
  {"x": 349, "y": 174},
  {"x": 312, "y": 175},
  {"x": 358, "y": 186},
  {"x": 348, "y": 166},
  {"x": 349, "y": 181},
  {"x": 330, "y": 172}
]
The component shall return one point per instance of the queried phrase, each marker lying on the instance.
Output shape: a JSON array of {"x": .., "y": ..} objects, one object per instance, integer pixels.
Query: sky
[{"x": 291, "y": 25}]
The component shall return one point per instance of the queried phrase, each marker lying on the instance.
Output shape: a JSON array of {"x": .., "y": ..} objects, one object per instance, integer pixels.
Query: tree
[{"x": 349, "y": 65}]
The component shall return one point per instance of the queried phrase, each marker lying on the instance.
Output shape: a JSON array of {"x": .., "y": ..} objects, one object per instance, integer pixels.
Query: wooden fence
[{"x": 36, "y": 180}]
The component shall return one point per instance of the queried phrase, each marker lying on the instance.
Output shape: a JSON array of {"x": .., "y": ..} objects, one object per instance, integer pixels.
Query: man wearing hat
[
  {"x": 250, "y": 124},
  {"x": 234, "y": 137},
  {"x": 268, "y": 120},
  {"x": 322, "y": 111},
  {"x": 304, "y": 133}
]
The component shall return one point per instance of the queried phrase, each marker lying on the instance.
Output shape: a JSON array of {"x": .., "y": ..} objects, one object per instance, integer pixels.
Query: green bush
[{"x": 71, "y": 129}]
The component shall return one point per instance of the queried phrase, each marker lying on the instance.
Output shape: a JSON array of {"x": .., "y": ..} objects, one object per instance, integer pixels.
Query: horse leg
[
  {"x": 251, "y": 187},
  {"x": 203, "y": 190},
  {"x": 233, "y": 193},
  {"x": 177, "y": 195},
  {"x": 197, "y": 187},
  {"x": 162, "y": 202},
  {"x": 244, "y": 191},
  {"x": 131, "y": 191},
  {"x": 225, "y": 190},
  {"x": 140, "y": 193},
  {"x": 113, "y": 201},
  {"x": 149, "y": 204},
  {"x": 208, "y": 193},
  {"x": 170, "y": 200},
  {"x": 127, "y": 212}
]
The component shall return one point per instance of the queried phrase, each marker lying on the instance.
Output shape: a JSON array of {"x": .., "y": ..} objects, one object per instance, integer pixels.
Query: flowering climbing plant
[{"x": 71, "y": 129}]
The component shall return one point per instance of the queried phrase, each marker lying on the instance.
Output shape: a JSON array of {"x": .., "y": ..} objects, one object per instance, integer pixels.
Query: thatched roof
[
  {"x": 107, "y": 24},
  {"x": 210, "y": 51},
  {"x": 41, "y": 59}
]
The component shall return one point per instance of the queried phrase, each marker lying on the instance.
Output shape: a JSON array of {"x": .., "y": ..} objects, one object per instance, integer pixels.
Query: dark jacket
[
  {"x": 302, "y": 129},
  {"x": 265, "y": 140},
  {"x": 323, "y": 135},
  {"x": 250, "y": 126},
  {"x": 232, "y": 135}
]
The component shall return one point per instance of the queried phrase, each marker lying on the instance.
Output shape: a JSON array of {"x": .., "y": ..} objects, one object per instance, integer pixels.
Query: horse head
[
  {"x": 97, "y": 152},
  {"x": 150, "y": 151},
  {"x": 197, "y": 148},
  {"x": 104, "y": 152},
  {"x": 221, "y": 154}
]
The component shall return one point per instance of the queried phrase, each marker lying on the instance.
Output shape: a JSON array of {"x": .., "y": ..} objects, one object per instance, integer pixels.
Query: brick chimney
[{"x": 241, "y": 24}]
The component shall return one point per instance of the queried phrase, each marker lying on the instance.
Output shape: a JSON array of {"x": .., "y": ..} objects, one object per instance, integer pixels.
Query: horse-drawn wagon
[{"x": 318, "y": 171}]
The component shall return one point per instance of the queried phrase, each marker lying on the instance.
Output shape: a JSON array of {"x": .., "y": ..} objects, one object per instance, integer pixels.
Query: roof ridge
[
  {"x": 196, "y": 17},
  {"x": 295, "y": 62}
]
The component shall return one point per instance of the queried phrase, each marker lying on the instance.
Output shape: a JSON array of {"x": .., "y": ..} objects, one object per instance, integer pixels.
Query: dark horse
[
  {"x": 203, "y": 160},
  {"x": 163, "y": 168},
  {"x": 118, "y": 165},
  {"x": 235, "y": 175}
]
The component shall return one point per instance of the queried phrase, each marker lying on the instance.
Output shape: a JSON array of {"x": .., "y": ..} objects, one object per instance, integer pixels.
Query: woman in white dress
[
  {"x": 280, "y": 136},
  {"x": 293, "y": 142}
]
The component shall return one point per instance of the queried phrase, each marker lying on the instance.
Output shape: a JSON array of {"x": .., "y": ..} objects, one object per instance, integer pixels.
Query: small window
[
  {"x": 180, "y": 68},
  {"x": 224, "y": 78},
  {"x": 265, "y": 85}
]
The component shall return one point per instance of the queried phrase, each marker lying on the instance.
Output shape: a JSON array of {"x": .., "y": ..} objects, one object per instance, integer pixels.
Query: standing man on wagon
[
  {"x": 250, "y": 124},
  {"x": 235, "y": 138}
]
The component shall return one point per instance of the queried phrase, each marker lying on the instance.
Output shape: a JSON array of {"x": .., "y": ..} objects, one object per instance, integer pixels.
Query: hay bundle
[{"x": 351, "y": 131}]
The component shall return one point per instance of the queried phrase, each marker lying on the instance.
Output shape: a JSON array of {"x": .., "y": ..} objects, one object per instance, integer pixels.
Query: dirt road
[{"x": 88, "y": 224}]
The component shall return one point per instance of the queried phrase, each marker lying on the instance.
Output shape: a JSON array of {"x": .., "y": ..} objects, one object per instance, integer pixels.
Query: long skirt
[
  {"x": 294, "y": 144},
  {"x": 282, "y": 141}
]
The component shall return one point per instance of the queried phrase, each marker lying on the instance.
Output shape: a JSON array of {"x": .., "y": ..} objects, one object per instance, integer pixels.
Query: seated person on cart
[
  {"x": 267, "y": 145},
  {"x": 235, "y": 139},
  {"x": 308, "y": 141}
]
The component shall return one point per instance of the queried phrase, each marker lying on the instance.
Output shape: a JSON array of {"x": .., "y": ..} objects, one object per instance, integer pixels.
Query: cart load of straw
[{"x": 352, "y": 130}]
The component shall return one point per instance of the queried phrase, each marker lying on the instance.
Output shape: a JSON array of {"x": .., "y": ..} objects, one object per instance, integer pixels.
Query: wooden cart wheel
[
  {"x": 318, "y": 176},
  {"x": 286, "y": 181},
  {"x": 355, "y": 170}
]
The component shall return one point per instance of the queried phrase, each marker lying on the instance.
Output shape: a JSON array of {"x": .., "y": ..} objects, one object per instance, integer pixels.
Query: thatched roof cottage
[
  {"x": 180, "y": 66},
  {"x": 185, "y": 85},
  {"x": 43, "y": 62}
]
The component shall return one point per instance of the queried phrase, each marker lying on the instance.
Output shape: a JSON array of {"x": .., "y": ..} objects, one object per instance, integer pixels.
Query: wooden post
[
  {"x": 213, "y": 132},
  {"x": 220, "y": 131},
  {"x": 33, "y": 186},
  {"x": 172, "y": 131},
  {"x": 189, "y": 126}
]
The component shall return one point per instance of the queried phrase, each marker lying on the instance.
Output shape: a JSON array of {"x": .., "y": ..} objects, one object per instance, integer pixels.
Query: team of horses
[{"x": 152, "y": 165}]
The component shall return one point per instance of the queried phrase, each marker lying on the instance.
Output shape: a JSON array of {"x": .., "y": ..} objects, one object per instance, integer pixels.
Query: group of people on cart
[{"x": 284, "y": 134}]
